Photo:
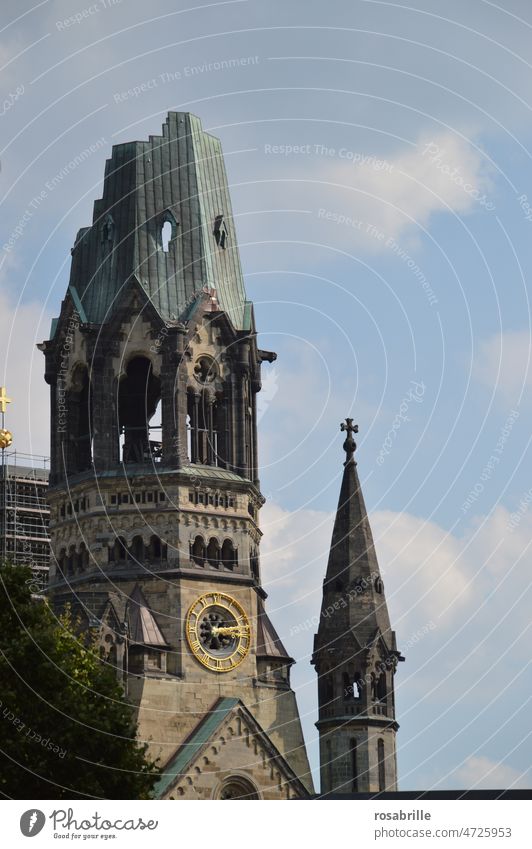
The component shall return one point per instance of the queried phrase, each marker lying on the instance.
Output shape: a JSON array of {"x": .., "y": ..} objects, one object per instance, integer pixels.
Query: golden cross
[{"x": 4, "y": 400}]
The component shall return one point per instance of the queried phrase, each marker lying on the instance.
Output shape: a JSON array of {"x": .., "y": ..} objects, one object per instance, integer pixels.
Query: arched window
[
  {"x": 327, "y": 689},
  {"x": 229, "y": 555},
  {"x": 79, "y": 406},
  {"x": 348, "y": 686},
  {"x": 168, "y": 231},
  {"x": 137, "y": 548},
  {"x": 83, "y": 557},
  {"x": 70, "y": 561},
  {"x": 199, "y": 551},
  {"x": 203, "y": 419},
  {"x": 380, "y": 759},
  {"x": 381, "y": 687},
  {"x": 213, "y": 552},
  {"x": 236, "y": 787},
  {"x": 155, "y": 548},
  {"x": 166, "y": 235},
  {"x": 254, "y": 563},
  {"x": 120, "y": 550},
  {"x": 61, "y": 561},
  {"x": 108, "y": 229},
  {"x": 138, "y": 396}
]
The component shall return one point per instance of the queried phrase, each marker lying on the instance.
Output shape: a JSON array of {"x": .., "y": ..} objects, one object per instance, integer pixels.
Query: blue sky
[{"x": 380, "y": 167}]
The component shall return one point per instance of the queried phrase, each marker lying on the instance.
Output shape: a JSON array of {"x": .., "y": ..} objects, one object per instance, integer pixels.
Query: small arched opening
[
  {"x": 199, "y": 551},
  {"x": 120, "y": 550},
  {"x": 213, "y": 552},
  {"x": 229, "y": 554},
  {"x": 155, "y": 549},
  {"x": 137, "y": 548}
]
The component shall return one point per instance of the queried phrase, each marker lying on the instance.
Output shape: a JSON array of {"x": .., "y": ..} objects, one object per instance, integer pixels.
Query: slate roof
[
  {"x": 352, "y": 602},
  {"x": 143, "y": 629},
  {"x": 178, "y": 176},
  {"x": 269, "y": 643}
]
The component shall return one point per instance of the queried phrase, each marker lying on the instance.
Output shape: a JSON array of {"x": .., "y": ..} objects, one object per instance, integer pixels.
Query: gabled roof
[
  {"x": 194, "y": 743},
  {"x": 143, "y": 629},
  {"x": 210, "y": 724}
]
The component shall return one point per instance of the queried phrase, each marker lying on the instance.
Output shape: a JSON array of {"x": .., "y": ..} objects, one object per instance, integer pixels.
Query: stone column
[
  {"x": 105, "y": 414},
  {"x": 211, "y": 448}
]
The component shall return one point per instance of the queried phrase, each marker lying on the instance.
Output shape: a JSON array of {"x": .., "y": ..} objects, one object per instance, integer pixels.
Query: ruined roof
[{"x": 178, "y": 177}]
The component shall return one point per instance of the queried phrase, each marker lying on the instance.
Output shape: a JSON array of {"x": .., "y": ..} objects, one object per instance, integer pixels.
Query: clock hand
[{"x": 230, "y": 630}]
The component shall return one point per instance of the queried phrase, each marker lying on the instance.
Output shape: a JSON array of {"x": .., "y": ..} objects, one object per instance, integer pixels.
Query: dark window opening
[
  {"x": 79, "y": 406},
  {"x": 220, "y": 232},
  {"x": 120, "y": 550},
  {"x": 139, "y": 394},
  {"x": 229, "y": 555},
  {"x": 380, "y": 758},
  {"x": 155, "y": 548},
  {"x": 354, "y": 766},
  {"x": 213, "y": 552},
  {"x": 198, "y": 551},
  {"x": 137, "y": 548}
]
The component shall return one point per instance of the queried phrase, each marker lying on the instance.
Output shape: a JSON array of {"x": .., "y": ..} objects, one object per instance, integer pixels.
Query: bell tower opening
[
  {"x": 202, "y": 427},
  {"x": 80, "y": 424},
  {"x": 139, "y": 394}
]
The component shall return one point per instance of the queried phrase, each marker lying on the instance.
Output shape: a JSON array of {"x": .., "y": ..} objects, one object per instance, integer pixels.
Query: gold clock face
[{"x": 218, "y": 631}]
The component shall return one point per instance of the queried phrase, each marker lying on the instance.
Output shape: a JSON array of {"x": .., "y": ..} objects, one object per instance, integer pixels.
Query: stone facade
[{"x": 147, "y": 518}]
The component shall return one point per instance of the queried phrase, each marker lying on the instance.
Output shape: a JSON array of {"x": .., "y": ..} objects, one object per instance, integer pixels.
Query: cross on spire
[
  {"x": 4, "y": 400},
  {"x": 349, "y": 444}
]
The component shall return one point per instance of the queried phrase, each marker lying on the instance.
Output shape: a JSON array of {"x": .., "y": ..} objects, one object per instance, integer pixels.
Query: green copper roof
[
  {"x": 178, "y": 177},
  {"x": 201, "y": 735},
  {"x": 197, "y": 471}
]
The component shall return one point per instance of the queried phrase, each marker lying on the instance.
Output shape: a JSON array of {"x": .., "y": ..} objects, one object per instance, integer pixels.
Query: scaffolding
[{"x": 24, "y": 514}]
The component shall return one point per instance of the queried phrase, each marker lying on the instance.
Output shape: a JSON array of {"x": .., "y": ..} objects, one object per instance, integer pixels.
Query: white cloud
[
  {"x": 483, "y": 774},
  {"x": 360, "y": 199},
  {"x": 442, "y": 174},
  {"x": 503, "y": 364}
]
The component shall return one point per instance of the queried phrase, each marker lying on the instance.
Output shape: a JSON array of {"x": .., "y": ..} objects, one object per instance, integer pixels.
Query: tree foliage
[{"x": 66, "y": 729}]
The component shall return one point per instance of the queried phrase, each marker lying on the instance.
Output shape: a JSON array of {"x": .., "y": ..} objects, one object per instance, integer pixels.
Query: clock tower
[{"x": 154, "y": 369}]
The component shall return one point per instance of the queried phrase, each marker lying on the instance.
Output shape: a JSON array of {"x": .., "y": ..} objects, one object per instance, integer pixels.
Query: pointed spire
[{"x": 353, "y": 592}]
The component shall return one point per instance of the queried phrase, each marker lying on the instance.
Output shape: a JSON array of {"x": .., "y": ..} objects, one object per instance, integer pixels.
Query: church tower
[
  {"x": 154, "y": 370},
  {"x": 355, "y": 653}
]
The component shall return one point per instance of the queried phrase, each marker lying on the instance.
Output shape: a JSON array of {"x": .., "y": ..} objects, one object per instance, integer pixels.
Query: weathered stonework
[{"x": 145, "y": 521}]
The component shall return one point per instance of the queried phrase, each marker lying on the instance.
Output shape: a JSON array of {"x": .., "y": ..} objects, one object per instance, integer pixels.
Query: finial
[
  {"x": 350, "y": 445},
  {"x": 4, "y": 400}
]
